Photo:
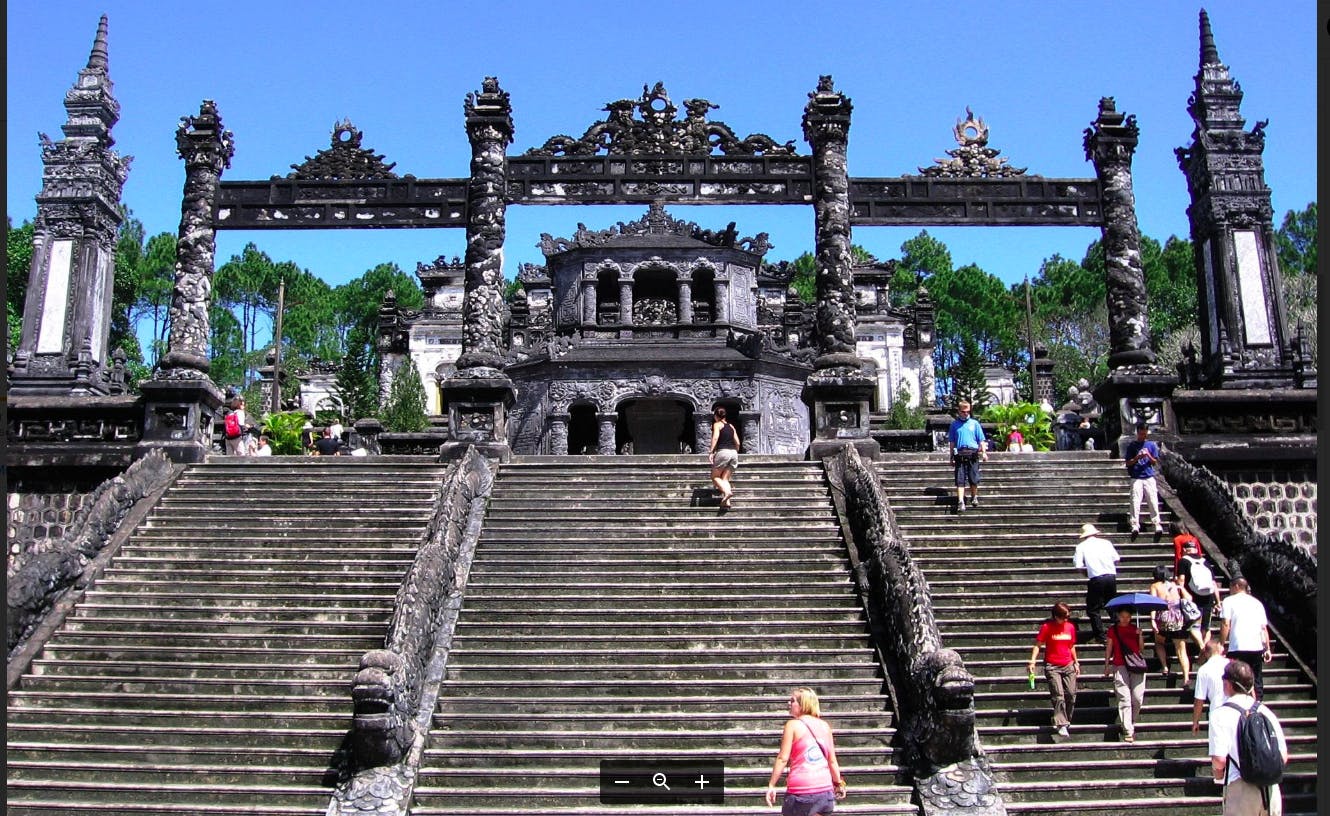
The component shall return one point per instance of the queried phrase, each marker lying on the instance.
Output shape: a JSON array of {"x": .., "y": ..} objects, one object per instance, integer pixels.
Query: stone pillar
[
  {"x": 478, "y": 395},
  {"x": 749, "y": 428},
  {"x": 626, "y": 302},
  {"x": 686, "y": 302},
  {"x": 589, "y": 302},
  {"x": 1110, "y": 142},
  {"x": 63, "y": 349},
  {"x": 722, "y": 302},
  {"x": 181, "y": 400},
  {"x": 1043, "y": 376},
  {"x": 702, "y": 432},
  {"x": 606, "y": 425},
  {"x": 838, "y": 392},
  {"x": 558, "y": 434}
]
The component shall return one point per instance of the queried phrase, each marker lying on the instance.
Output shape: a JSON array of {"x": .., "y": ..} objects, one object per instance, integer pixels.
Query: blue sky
[{"x": 283, "y": 72}]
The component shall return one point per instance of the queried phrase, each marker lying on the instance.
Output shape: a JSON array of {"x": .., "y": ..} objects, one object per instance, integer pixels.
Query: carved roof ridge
[
  {"x": 656, "y": 221},
  {"x": 343, "y": 159},
  {"x": 974, "y": 158},
  {"x": 656, "y": 132}
]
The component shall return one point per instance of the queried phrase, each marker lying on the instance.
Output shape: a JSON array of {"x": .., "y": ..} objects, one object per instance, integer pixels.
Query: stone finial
[
  {"x": 1209, "y": 53},
  {"x": 98, "y": 59}
]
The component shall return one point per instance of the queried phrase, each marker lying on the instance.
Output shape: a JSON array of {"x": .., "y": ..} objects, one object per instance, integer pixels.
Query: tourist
[
  {"x": 336, "y": 430},
  {"x": 967, "y": 446},
  {"x": 1182, "y": 541},
  {"x": 237, "y": 443},
  {"x": 1170, "y": 623},
  {"x": 307, "y": 437},
  {"x": 1057, "y": 636},
  {"x": 1200, "y": 582},
  {"x": 262, "y": 448},
  {"x": 1209, "y": 683},
  {"x": 1245, "y": 631},
  {"x": 1129, "y": 686},
  {"x": 1142, "y": 455},
  {"x": 724, "y": 456},
  {"x": 814, "y": 782},
  {"x": 328, "y": 445},
  {"x": 1099, "y": 558},
  {"x": 1016, "y": 441},
  {"x": 1241, "y": 798}
]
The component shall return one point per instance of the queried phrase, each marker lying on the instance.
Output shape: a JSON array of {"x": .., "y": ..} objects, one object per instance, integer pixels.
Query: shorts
[
  {"x": 808, "y": 804},
  {"x": 725, "y": 459},
  {"x": 967, "y": 470}
]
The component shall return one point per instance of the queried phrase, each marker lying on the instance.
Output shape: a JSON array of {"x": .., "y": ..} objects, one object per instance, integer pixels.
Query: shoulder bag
[{"x": 1134, "y": 662}]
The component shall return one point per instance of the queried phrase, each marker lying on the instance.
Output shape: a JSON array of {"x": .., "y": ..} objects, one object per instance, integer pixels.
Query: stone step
[
  {"x": 241, "y": 601},
  {"x": 464, "y": 657},
  {"x": 133, "y": 608},
  {"x": 105, "y": 681},
  {"x": 536, "y": 628},
  {"x": 621, "y": 721},
  {"x": 591, "y": 689},
  {"x": 877, "y": 705},
  {"x": 294, "y": 651},
  {"x": 21, "y": 700},
  {"x": 148, "y": 737},
  {"x": 791, "y": 672},
  {"x": 682, "y": 638},
  {"x": 664, "y": 603},
  {"x": 330, "y": 669}
]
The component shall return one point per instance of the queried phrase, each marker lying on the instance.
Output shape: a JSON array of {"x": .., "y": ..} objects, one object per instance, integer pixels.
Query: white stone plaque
[
  {"x": 51, "y": 339},
  {"x": 1255, "y": 321},
  {"x": 105, "y": 269}
]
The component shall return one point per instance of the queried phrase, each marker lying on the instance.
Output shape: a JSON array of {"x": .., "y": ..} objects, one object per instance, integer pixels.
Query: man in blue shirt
[
  {"x": 1142, "y": 457},
  {"x": 967, "y": 446}
]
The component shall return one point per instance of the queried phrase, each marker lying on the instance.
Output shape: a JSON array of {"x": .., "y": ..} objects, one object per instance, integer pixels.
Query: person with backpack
[
  {"x": 1248, "y": 751},
  {"x": 1200, "y": 582},
  {"x": 233, "y": 425}
]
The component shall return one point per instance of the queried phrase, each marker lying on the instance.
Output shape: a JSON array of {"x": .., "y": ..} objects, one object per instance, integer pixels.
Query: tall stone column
[
  {"x": 1110, "y": 142},
  {"x": 63, "y": 349},
  {"x": 722, "y": 314},
  {"x": 838, "y": 392},
  {"x": 685, "y": 302},
  {"x": 181, "y": 400},
  {"x": 1136, "y": 389},
  {"x": 479, "y": 394}
]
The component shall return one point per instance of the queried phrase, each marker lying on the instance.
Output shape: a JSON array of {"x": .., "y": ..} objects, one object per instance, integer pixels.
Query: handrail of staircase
[
  {"x": 46, "y": 587},
  {"x": 932, "y": 691},
  {"x": 391, "y": 697},
  {"x": 1266, "y": 561}
]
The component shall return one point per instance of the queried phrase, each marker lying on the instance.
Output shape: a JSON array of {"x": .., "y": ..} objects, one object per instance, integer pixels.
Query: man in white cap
[{"x": 1099, "y": 558}]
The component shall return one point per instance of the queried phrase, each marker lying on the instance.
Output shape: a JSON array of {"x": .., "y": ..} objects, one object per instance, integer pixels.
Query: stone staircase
[
  {"x": 613, "y": 612},
  {"x": 996, "y": 570},
  {"x": 208, "y": 670}
]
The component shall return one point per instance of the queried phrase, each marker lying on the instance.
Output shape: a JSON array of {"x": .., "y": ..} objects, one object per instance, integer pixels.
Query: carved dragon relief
[
  {"x": 658, "y": 133},
  {"x": 343, "y": 159},
  {"x": 974, "y": 158}
]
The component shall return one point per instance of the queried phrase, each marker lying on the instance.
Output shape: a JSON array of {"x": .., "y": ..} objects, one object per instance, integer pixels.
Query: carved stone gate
[{"x": 644, "y": 152}]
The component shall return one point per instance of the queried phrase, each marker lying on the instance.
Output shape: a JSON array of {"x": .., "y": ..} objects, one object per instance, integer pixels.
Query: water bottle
[{"x": 1032, "y": 679}]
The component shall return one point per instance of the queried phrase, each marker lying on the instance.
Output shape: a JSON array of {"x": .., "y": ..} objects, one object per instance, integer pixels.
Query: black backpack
[{"x": 1259, "y": 761}]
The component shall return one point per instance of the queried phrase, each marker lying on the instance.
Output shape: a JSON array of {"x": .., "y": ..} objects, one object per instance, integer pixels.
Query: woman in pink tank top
[{"x": 814, "y": 782}]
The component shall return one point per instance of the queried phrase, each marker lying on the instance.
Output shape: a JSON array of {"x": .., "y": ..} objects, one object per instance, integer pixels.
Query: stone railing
[
  {"x": 424, "y": 443},
  {"x": 75, "y": 431},
  {"x": 933, "y": 691},
  {"x": 1282, "y": 574},
  {"x": 44, "y": 575},
  {"x": 396, "y": 686}
]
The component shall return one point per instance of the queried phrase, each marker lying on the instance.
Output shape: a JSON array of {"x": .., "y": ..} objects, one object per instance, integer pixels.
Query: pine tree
[
  {"x": 968, "y": 381},
  {"x": 356, "y": 384},
  {"x": 405, "y": 409}
]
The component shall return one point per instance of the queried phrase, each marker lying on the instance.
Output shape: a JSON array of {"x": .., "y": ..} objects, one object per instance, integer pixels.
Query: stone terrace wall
[
  {"x": 37, "y": 522},
  {"x": 1278, "y": 502}
]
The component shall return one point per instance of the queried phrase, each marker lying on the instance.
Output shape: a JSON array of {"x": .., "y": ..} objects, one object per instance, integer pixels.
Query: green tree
[
  {"x": 922, "y": 257},
  {"x": 1070, "y": 308},
  {"x": 357, "y": 384},
  {"x": 1028, "y": 418},
  {"x": 405, "y": 408},
  {"x": 967, "y": 379},
  {"x": 356, "y": 302},
  {"x": 18, "y": 262},
  {"x": 804, "y": 281},
  {"x": 974, "y": 305},
  {"x": 1296, "y": 242},
  {"x": 901, "y": 416},
  {"x": 153, "y": 290}
]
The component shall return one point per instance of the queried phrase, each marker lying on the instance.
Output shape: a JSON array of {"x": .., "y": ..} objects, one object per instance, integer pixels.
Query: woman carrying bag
[
  {"x": 1061, "y": 665},
  {"x": 1125, "y": 661},
  {"x": 808, "y": 750}
]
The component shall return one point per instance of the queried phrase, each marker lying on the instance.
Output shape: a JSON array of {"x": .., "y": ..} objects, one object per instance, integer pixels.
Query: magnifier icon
[{"x": 659, "y": 780}]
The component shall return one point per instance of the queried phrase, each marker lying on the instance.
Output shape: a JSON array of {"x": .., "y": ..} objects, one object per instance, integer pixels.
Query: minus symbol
[{"x": 622, "y": 781}]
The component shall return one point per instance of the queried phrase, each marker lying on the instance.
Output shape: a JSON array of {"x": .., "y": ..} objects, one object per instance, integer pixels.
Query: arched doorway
[
  {"x": 583, "y": 432},
  {"x": 655, "y": 425}
]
